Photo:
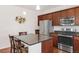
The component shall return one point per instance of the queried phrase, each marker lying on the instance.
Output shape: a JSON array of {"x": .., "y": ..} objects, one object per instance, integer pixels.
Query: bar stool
[
  {"x": 24, "y": 49},
  {"x": 12, "y": 44},
  {"x": 36, "y": 31},
  {"x": 22, "y": 33},
  {"x": 16, "y": 45}
]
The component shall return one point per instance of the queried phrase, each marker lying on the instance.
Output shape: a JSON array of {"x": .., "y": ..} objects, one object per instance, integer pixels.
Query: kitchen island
[{"x": 37, "y": 43}]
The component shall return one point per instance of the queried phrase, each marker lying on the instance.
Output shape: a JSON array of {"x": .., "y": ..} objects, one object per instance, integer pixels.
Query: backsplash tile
[{"x": 60, "y": 28}]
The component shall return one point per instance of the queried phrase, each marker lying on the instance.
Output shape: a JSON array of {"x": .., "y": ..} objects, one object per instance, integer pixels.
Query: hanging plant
[{"x": 20, "y": 19}]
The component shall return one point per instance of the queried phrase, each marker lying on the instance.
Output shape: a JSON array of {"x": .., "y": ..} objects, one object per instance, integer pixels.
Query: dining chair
[
  {"x": 12, "y": 44},
  {"x": 16, "y": 45},
  {"x": 22, "y": 33},
  {"x": 25, "y": 48},
  {"x": 21, "y": 47},
  {"x": 36, "y": 31}
]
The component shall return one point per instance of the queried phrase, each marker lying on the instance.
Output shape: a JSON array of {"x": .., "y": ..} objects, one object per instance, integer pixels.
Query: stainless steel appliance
[
  {"x": 45, "y": 27},
  {"x": 65, "y": 40},
  {"x": 65, "y": 48},
  {"x": 67, "y": 21},
  {"x": 65, "y": 43}
]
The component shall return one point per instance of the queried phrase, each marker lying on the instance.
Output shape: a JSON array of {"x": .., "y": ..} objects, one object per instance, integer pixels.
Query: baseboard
[{"x": 5, "y": 48}]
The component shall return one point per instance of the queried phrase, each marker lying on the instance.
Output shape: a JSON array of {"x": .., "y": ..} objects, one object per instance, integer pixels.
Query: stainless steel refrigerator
[{"x": 45, "y": 27}]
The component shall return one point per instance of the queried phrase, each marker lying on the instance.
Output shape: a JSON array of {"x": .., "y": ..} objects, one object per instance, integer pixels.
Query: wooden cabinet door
[
  {"x": 63, "y": 14},
  {"x": 47, "y": 46},
  {"x": 39, "y": 19},
  {"x": 77, "y": 11},
  {"x": 49, "y": 16},
  {"x": 56, "y": 18},
  {"x": 44, "y": 17},
  {"x": 71, "y": 12},
  {"x": 67, "y": 13},
  {"x": 76, "y": 44},
  {"x": 77, "y": 16},
  {"x": 55, "y": 40}
]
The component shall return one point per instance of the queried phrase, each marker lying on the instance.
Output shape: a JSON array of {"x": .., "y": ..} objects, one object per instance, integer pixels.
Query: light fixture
[
  {"x": 37, "y": 7},
  {"x": 24, "y": 13},
  {"x": 20, "y": 19}
]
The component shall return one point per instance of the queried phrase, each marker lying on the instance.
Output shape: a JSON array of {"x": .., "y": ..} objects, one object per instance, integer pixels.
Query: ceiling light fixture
[
  {"x": 24, "y": 13},
  {"x": 37, "y": 7}
]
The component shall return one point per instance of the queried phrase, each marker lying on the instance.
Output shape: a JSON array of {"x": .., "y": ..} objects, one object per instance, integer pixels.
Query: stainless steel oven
[
  {"x": 65, "y": 48},
  {"x": 65, "y": 43}
]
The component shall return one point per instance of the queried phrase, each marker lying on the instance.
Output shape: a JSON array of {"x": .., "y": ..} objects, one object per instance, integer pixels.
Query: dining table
[{"x": 33, "y": 41}]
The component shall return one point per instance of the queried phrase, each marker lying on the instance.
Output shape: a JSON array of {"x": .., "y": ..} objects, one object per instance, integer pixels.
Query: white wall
[{"x": 8, "y": 25}]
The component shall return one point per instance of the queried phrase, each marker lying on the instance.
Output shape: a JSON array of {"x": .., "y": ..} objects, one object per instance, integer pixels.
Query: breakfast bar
[{"x": 37, "y": 43}]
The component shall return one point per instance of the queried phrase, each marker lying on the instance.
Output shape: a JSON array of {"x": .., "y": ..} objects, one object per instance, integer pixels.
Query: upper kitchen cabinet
[
  {"x": 71, "y": 12},
  {"x": 56, "y": 19},
  {"x": 44, "y": 17},
  {"x": 63, "y": 14},
  {"x": 49, "y": 16},
  {"x": 67, "y": 13},
  {"x": 77, "y": 16},
  {"x": 41, "y": 17}
]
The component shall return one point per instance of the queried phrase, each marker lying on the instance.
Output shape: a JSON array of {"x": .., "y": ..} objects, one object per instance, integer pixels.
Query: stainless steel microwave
[{"x": 67, "y": 21}]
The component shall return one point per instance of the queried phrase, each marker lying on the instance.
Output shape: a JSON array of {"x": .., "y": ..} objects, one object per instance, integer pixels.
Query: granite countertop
[
  {"x": 31, "y": 39},
  {"x": 76, "y": 34}
]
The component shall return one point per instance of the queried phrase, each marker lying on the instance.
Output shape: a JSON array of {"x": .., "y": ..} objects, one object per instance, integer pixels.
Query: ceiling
[{"x": 42, "y": 7}]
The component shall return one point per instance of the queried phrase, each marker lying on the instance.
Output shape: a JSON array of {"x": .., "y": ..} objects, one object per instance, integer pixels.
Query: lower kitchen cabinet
[
  {"x": 47, "y": 46},
  {"x": 76, "y": 44},
  {"x": 55, "y": 39}
]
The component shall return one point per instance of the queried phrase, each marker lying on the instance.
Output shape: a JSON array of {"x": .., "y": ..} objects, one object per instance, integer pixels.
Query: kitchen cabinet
[
  {"x": 40, "y": 18},
  {"x": 63, "y": 14},
  {"x": 55, "y": 39},
  {"x": 76, "y": 44},
  {"x": 67, "y": 13},
  {"x": 47, "y": 46},
  {"x": 44, "y": 17},
  {"x": 48, "y": 16},
  {"x": 56, "y": 19},
  {"x": 70, "y": 12},
  {"x": 56, "y": 16},
  {"x": 77, "y": 16}
]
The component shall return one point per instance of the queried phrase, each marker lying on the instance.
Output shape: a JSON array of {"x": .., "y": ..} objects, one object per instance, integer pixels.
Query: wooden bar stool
[
  {"x": 12, "y": 44},
  {"x": 16, "y": 45},
  {"x": 23, "y": 49},
  {"x": 36, "y": 31},
  {"x": 22, "y": 33}
]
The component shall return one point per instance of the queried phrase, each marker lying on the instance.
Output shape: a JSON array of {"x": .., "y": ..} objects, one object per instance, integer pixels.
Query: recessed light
[
  {"x": 37, "y": 7},
  {"x": 24, "y": 13}
]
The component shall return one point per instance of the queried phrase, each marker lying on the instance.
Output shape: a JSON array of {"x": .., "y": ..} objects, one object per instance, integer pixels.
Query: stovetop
[{"x": 68, "y": 33}]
